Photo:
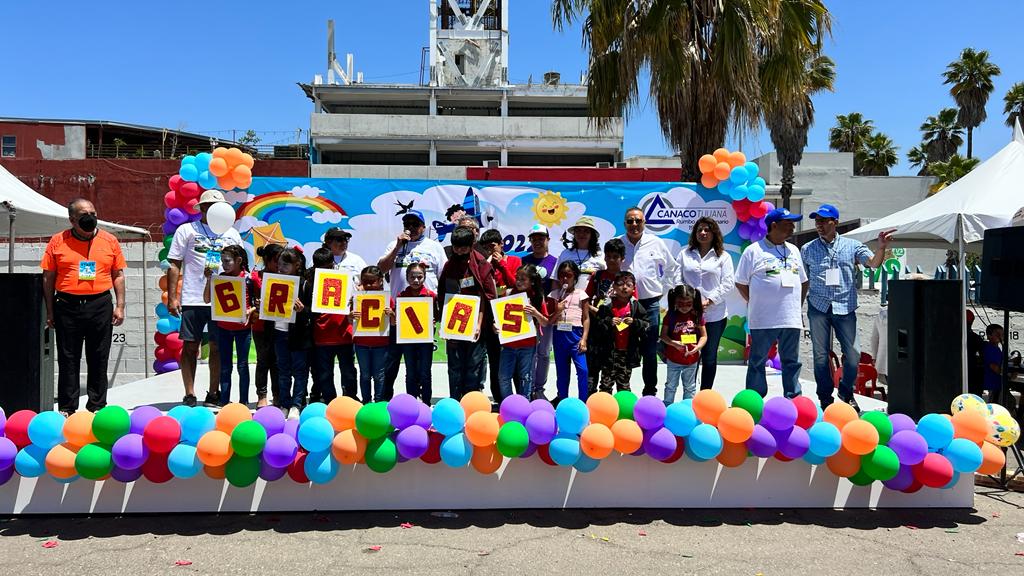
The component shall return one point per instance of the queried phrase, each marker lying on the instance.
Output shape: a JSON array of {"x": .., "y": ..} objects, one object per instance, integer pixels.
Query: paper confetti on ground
[
  {"x": 406, "y": 524},
  {"x": 182, "y": 562},
  {"x": 50, "y": 544}
]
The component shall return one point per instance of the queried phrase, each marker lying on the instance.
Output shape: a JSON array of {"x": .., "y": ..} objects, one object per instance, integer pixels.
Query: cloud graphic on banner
[
  {"x": 238, "y": 197},
  {"x": 305, "y": 191},
  {"x": 246, "y": 223},
  {"x": 680, "y": 207},
  {"x": 326, "y": 217}
]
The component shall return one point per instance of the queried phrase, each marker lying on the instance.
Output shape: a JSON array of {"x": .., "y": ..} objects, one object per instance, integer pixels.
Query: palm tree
[
  {"x": 788, "y": 122},
  {"x": 918, "y": 158},
  {"x": 706, "y": 61},
  {"x": 952, "y": 170},
  {"x": 1014, "y": 104},
  {"x": 941, "y": 135},
  {"x": 877, "y": 155},
  {"x": 849, "y": 134},
  {"x": 971, "y": 79}
]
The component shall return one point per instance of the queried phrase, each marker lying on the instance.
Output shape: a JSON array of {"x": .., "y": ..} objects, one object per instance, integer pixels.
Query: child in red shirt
[
  {"x": 517, "y": 357},
  {"x": 684, "y": 335},
  {"x": 617, "y": 334},
  {"x": 372, "y": 351},
  {"x": 332, "y": 338},
  {"x": 418, "y": 357}
]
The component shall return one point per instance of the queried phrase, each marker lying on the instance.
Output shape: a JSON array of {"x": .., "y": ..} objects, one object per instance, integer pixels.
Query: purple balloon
[
  {"x": 661, "y": 444},
  {"x": 168, "y": 228},
  {"x": 909, "y": 446},
  {"x": 424, "y": 420},
  {"x": 3, "y": 421},
  {"x": 793, "y": 443},
  {"x": 271, "y": 418},
  {"x": 177, "y": 216},
  {"x": 530, "y": 449},
  {"x": 195, "y": 217},
  {"x": 8, "y": 452},
  {"x": 129, "y": 452},
  {"x": 280, "y": 450},
  {"x": 649, "y": 413},
  {"x": 269, "y": 473},
  {"x": 779, "y": 414},
  {"x": 540, "y": 426},
  {"x": 901, "y": 422},
  {"x": 542, "y": 405},
  {"x": 5, "y": 475},
  {"x": 902, "y": 480},
  {"x": 404, "y": 410},
  {"x": 122, "y": 475},
  {"x": 761, "y": 442},
  {"x": 291, "y": 428},
  {"x": 412, "y": 442},
  {"x": 141, "y": 416},
  {"x": 515, "y": 408}
]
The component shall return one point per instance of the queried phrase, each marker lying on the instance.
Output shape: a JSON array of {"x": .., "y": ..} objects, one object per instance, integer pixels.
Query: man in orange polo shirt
[{"x": 80, "y": 266}]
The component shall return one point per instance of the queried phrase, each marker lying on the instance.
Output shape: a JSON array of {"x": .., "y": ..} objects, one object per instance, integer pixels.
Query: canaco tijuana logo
[{"x": 661, "y": 215}]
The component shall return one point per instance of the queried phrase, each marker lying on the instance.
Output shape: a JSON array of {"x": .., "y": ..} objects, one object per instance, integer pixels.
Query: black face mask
[{"x": 88, "y": 222}]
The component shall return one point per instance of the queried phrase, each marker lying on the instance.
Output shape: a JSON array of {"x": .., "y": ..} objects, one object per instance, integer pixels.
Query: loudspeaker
[
  {"x": 924, "y": 346},
  {"x": 1002, "y": 268},
  {"x": 26, "y": 374}
]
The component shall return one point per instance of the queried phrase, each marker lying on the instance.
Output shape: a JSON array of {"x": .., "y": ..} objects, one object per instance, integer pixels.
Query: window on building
[{"x": 9, "y": 146}]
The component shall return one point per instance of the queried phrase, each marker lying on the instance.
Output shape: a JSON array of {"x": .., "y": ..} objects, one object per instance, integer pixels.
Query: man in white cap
[
  {"x": 545, "y": 263},
  {"x": 196, "y": 246}
]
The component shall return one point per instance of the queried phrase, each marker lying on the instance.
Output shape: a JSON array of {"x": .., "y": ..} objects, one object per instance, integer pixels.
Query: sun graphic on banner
[{"x": 550, "y": 208}]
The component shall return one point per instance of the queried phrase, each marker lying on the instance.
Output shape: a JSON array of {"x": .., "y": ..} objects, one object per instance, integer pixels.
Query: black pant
[
  {"x": 493, "y": 349},
  {"x": 391, "y": 365},
  {"x": 81, "y": 320},
  {"x": 266, "y": 361}
]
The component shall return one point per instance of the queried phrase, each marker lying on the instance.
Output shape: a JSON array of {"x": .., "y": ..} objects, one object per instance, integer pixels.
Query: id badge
[
  {"x": 688, "y": 339},
  {"x": 788, "y": 279},
  {"x": 467, "y": 282},
  {"x": 213, "y": 259},
  {"x": 832, "y": 277},
  {"x": 621, "y": 326},
  {"x": 564, "y": 326},
  {"x": 87, "y": 270},
  {"x": 583, "y": 281}
]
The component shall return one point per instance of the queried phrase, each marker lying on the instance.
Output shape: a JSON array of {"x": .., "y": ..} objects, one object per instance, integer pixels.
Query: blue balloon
[
  {"x": 812, "y": 458},
  {"x": 66, "y": 480},
  {"x": 824, "y": 439},
  {"x": 175, "y": 323},
  {"x": 704, "y": 441},
  {"x": 737, "y": 176},
  {"x": 188, "y": 160},
  {"x": 316, "y": 409},
  {"x": 740, "y": 192},
  {"x": 202, "y": 161},
  {"x": 31, "y": 461},
  {"x": 689, "y": 454},
  {"x": 163, "y": 326},
  {"x": 572, "y": 416},
  {"x": 165, "y": 265},
  {"x": 752, "y": 170},
  {"x": 195, "y": 423},
  {"x": 188, "y": 172},
  {"x": 161, "y": 310},
  {"x": 456, "y": 451},
  {"x": 320, "y": 467},
  {"x": 207, "y": 180},
  {"x": 964, "y": 455},
  {"x": 448, "y": 417},
  {"x": 937, "y": 431},
  {"x": 726, "y": 186},
  {"x": 46, "y": 429},
  {"x": 586, "y": 464},
  {"x": 680, "y": 418},
  {"x": 755, "y": 193},
  {"x": 183, "y": 461},
  {"x": 952, "y": 482},
  {"x": 179, "y": 412},
  {"x": 316, "y": 434},
  {"x": 565, "y": 448},
  {"x": 759, "y": 182}
]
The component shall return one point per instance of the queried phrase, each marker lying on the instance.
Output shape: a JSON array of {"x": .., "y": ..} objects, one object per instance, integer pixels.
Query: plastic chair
[
  {"x": 837, "y": 368},
  {"x": 867, "y": 374}
]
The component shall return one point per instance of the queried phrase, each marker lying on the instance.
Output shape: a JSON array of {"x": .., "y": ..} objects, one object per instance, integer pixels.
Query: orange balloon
[
  {"x": 732, "y": 454},
  {"x": 859, "y": 437},
  {"x": 215, "y": 472},
  {"x": 78, "y": 429},
  {"x": 60, "y": 461},
  {"x": 341, "y": 412},
  {"x": 597, "y": 441},
  {"x": 486, "y": 459},
  {"x": 737, "y": 159},
  {"x": 707, "y": 163},
  {"x": 721, "y": 155},
  {"x": 482, "y": 428},
  {"x": 218, "y": 167},
  {"x": 219, "y": 152},
  {"x": 628, "y": 436},
  {"x": 475, "y": 401},
  {"x": 162, "y": 282},
  {"x": 603, "y": 408},
  {"x": 233, "y": 156},
  {"x": 735, "y": 425},
  {"x": 348, "y": 446},
  {"x": 232, "y": 415},
  {"x": 226, "y": 182},
  {"x": 708, "y": 181},
  {"x": 241, "y": 173},
  {"x": 163, "y": 298},
  {"x": 992, "y": 459},
  {"x": 708, "y": 405},
  {"x": 971, "y": 425},
  {"x": 243, "y": 184},
  {"x": 839, "y": 414},
  {"x": 247, "y": 160},
  {"x": 722, "y": 170},
  {"x": 843, "y": 463},
  {"x": 214, "y": 448}
]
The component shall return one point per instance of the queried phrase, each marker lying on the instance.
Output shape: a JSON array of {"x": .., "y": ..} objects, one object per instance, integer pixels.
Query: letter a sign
[
  {"x": 277, "y": 300},
  {"x": 331, "y": 291},
  {"x": 513, "y": 322},
  {"x": 227, "y": 298},
  {"x": 460, "y": 317},
  {"x": 414, "y": 320}
]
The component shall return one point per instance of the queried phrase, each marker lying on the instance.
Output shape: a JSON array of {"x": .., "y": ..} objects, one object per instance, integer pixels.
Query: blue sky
[{"x": 215, "y": 67}]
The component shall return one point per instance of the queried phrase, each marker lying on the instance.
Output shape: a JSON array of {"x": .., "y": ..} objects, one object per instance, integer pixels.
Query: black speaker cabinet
[
  {"x": 26, "y": 373},
  {"x": 1002, "y": 269},
  {"x": 924, "y": 346}
]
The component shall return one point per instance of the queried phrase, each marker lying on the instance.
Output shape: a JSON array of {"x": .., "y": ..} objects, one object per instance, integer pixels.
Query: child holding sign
[
  {"x": 619, "y": 329},
  {"x": 372, "y": 351},
  {"x": 418, "y": 357},
  {"x": 294, "y": 340},
  {"x": 571, "y": 316},
  {"x": 600, "y": 291},
  {"x": 517, "y": 357},
  {"x": 263, "y": 332},
  {"x": 684, "y": 335},
  {"x": 332, "y": 338},
  {"x": 235, "y": 264}
]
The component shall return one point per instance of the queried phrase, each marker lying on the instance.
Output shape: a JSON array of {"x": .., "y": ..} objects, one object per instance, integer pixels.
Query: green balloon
[
  {"x": 751, "y": 402},
  {"x": 241, "y": 471},
  {"x": 93, "y": 461},
  {"x": 373, "y": 420},
  {"x": 861, "y": 478},
  {"x": 248, "y": 439},
  {"x": 162, "y": 255},
  {"x": 513, "y": 439},
  {"x": 111, "y": 423},
  {"x": 881, "y": 464},
  {"x": 381, "y": 455},
  {"x": 168, "y": 240},
  {"x": 626, "y": 401},
  {"x": 881, "y": 423}
]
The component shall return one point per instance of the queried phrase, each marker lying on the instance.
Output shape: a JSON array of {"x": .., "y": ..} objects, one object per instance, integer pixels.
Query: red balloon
[
  {"x": 175, "y": 182},
  {"x": 155, "y": 468},
  {"x": 545, "y": 455},
  {"x": 160, "y": 339},
  {"x": 162, "y": 434},
  {"x": 680, "y": 448},
  {"x": 16, "y": 429},
  {"x": 782, "y": 457},
  {"x": 192, "y": 206},
  {"x": 173, "y": 341},
  {"x": 806, "y": 412},
  {"x": 163, "y": 353},
  {"x": 914, "y": 487},
  {"x": 171, "y": 200},
  {"x": 297, "y": 469},
  {"x": 189, "y": 190},
  {"x": 433, "y": 453},
  {"x": 934, "y": 471},
  {"x": 742, "y": 208}
]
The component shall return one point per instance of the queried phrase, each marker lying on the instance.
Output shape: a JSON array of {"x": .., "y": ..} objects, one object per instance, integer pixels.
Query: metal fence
[
  {"x": 879, "y": 278},
  {"x": 133, "y": 151}
]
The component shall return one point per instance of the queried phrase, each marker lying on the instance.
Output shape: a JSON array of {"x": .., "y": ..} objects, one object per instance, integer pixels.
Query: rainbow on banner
[{"x": 265, "y": 206}]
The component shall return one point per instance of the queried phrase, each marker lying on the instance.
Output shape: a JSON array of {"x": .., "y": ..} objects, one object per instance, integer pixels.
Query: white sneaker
[{"x": 293, "y": 413}]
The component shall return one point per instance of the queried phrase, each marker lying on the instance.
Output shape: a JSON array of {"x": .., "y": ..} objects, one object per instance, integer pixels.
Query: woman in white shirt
[
  {"x": 706, "y": 265},
  {"x": 584, "y": 250}
]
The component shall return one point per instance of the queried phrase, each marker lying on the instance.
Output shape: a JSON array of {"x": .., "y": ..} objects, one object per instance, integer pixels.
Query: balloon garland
[{"x": 738, "y": 179}]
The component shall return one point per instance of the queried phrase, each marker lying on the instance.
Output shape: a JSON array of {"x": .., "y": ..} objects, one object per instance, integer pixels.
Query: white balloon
[{"x": 220, "y": 217}]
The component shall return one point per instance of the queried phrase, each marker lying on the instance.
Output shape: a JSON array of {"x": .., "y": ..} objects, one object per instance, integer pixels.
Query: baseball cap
[
  {"x": 415, "y": 214},
  {"x": 781, "y": 214},
  {"x": 826, "y": 211},
  {"x": 212, "y": 197},
  {"x": 538, "y": 229},
  {"x": 584, "y": 222},
  {"x": 336, "y": 233}
]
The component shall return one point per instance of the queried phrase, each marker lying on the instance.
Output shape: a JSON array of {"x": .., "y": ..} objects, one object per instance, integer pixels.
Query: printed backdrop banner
[{"x": 370, "y": 209}]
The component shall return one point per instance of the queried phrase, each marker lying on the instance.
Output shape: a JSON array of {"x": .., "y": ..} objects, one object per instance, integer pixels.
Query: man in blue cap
[
  {"x": 771, "y": 278},
  {"x": 831, "y": 262}
]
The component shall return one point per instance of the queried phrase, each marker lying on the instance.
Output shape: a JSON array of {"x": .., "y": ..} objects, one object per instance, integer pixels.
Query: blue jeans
[
  {"x": 709, "y": 353},
  {"x": 418, "y": 358},
  {"x": 292, "y": 372},
  {"x": 687, "y": 373},
  {"x": 541, "y": 360},
  {"x": 323, "y": 370},
  {"x": 822, "y": 324},
  {"x": 789, "y": 352},
  {"x": 464, "y": 361},
  {"x": 649, "y": 351},
  {"x": 240, "y": 339},
  {"x": 372, "y": 364},
  {"x": 518, "y": 363},
  {"x": 566, "y": 344}
]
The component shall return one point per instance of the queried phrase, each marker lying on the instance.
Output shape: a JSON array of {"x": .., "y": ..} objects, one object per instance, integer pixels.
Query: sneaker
[
  {"x": 212, "y": 400},
  {"x": 261, "y": 402},
  {"x": 293, "y": 413},
  {"x": 189, "y": 400},
  {"x": 852, "y": 402}
]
